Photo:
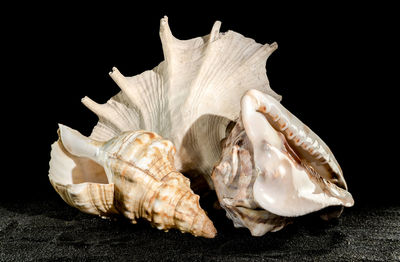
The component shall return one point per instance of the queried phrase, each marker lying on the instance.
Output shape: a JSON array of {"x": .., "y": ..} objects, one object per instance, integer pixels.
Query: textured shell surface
[
  {"x": 190, "y": 97},
  {"x": 274, "y": 168},
  {"x": 132, "y": 174}
]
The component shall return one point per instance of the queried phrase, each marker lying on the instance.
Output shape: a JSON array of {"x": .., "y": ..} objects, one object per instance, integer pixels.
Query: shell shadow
[
  {"x": 54, "y": 207},
  {"x": 307, "y": 235},
  {"x": 203, "y": 153}
]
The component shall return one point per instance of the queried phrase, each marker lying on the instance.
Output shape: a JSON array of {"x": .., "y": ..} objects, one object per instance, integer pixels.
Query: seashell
[
  {"x": 274, "y": 168},
  {"x": 190, "y": 97},
  {"x": 132, "y": 174}
]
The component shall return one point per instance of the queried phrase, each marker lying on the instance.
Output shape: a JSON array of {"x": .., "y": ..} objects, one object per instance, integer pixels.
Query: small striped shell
[{"x": 132, "y": 174}]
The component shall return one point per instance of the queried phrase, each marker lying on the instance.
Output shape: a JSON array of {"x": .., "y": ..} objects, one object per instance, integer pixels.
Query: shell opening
[
  {"x": 290, "y": 181},
  {"x": 72, "y": 159}
]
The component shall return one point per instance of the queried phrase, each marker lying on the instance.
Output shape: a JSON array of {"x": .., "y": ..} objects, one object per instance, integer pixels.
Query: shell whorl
[
  {"x": 142, "y": 181},
  {"x": 156, "y": 191}
]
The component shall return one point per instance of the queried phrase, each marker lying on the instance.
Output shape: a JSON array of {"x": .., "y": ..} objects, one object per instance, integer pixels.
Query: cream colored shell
[
  {"x": 132, "y": 174},
  {"x": 190, "y": 97}
]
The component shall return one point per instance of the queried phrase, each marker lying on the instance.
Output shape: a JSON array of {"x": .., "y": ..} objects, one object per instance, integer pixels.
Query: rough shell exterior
[
  {"x": 190, "y": 97},
  {"x": 132, "y": 174}
]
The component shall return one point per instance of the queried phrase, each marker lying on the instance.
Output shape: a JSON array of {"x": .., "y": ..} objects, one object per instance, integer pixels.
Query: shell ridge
[
  {"x": 208, "y": 72},
  {"x": 102, "y": 111},
  {"x": 143, "y": 93},
  {"x": 87, "y": 203},
  {"x": 214, "y": 35},
  {"x": 91, "y": 198},
  {"x": 178, "y": 205},
  {"x": 311, "y": 144},
  {"x": 121, "y": 116}
]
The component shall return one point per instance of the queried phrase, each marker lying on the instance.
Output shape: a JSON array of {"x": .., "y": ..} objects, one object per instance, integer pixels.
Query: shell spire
[{"x": 142, "y": 181}]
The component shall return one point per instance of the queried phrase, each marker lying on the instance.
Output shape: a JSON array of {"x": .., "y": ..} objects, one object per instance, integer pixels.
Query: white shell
[
  {"x": 190, "y": 97},
  {"x": 283, "y": 186},
  {"x": 272, "y": 161}
]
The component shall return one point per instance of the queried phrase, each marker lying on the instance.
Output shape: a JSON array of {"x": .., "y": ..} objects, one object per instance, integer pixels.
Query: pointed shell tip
[
  {"x": 209, "y": 230},
  {"x": 113, "y": 69},
  {"x": 164, "y": 20}
]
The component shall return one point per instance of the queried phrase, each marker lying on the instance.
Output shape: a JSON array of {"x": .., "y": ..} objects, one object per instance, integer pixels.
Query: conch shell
[
  {"x": 190, "y": 97},
  {"x": 274, "y": 168},
  {"x": 132, "y": 174}
]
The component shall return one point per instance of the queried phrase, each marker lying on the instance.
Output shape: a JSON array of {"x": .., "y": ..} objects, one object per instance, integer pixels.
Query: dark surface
[{"x": 50, "y": 230}]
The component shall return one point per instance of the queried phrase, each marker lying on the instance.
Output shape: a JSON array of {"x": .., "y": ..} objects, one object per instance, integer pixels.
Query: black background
[
  {"x": 336, "y": 68},
  {"x": 332, "y": 68}
]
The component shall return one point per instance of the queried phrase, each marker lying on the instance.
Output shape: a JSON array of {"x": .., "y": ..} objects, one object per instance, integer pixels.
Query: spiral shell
[{"x": 132, "y": 174}]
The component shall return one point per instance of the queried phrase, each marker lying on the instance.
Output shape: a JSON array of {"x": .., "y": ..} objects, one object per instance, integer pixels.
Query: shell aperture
[
  {"x": 292, "y": 171},
  {"x": 287, "y": 185}
]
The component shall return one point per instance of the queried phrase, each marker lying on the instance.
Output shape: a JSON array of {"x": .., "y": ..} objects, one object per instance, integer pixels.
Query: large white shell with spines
[{"x": 190, "y": 97}]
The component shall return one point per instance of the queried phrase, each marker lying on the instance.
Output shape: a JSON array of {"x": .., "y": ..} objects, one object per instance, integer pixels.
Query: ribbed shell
[
  {"x": 190, "y": 97},
  {"x": 143, "y": 182}
]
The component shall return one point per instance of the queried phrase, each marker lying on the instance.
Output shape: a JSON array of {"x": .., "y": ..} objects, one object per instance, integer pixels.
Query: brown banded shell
[{"x": 132, "y": 174}]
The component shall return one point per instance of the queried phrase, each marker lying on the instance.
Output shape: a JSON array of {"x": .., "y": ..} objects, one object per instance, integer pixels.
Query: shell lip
[{"x": 288, "y": 183}]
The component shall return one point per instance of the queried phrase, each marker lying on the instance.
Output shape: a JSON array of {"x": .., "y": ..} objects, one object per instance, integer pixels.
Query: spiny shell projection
[
  {"x": 132, "y": 174},
  {"x": 190, "y": 97},
  {"x": 273, "y": 168}
]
